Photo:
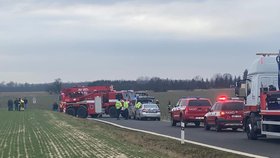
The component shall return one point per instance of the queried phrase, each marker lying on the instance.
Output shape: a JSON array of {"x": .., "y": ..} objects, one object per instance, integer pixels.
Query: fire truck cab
[{"x": 262, "y": 97}]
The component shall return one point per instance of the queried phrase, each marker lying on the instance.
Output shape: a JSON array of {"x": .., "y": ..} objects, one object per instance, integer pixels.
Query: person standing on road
[
  {"x": 125, "y": 111},
  {"x": 25, "y": 103},
  {"x": 138, "y": 105},
  {"x": 118, "y": 108},
  {"x": 16, "y": 102}
]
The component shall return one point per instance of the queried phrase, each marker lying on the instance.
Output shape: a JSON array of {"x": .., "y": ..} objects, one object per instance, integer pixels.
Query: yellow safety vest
[
  {"x": 125, "y": 104},
  {"x": 138, "y": 105},
  {"x": 118, "y": 105}
]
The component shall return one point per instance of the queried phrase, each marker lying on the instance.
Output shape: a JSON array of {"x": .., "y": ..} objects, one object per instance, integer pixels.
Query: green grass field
[
  {"x": 43, "y": 133},
  {"x": 39, "y": 132}
]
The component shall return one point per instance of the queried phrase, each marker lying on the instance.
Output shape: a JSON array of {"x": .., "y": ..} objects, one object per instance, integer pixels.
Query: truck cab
[
  {"x": 262, "y": 97},
  {"x": 262, "y": 74}
]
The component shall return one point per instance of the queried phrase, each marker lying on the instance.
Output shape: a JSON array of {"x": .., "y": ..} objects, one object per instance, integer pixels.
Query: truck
[
  {"x": 262, "y": 97},
  {"x": 91, "y": 100}
]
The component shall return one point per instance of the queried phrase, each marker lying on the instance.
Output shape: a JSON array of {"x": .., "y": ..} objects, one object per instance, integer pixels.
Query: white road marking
[{"x": 187, "y": 141}]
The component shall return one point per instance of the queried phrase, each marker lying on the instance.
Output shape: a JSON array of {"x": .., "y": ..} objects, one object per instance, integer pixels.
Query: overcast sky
[{"x": 88, "y": 40}]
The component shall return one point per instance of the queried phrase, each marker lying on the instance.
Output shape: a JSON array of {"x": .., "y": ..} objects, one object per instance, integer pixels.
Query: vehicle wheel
[
  {"x": 197, "y": 124},
  {"x": 234, "y": 129},
  {"x": 71, "y": 111},
  {"x": 112, "y": 112},
  {"x": 82, "y": 112},
  {"x": 206, "y": 126},
  {"x": 250, "y": 126},
  {"x": 218, "y": 127},
  {"x": 158, "y": 119}
]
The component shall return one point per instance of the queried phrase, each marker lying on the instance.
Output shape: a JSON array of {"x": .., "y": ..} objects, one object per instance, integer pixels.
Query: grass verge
[{"x": 42, "y": 133}]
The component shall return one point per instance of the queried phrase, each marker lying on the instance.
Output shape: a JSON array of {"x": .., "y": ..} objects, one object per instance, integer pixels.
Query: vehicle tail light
[
  {"x": 222, "y": 113},
  {"x": 144, "y": 110}
]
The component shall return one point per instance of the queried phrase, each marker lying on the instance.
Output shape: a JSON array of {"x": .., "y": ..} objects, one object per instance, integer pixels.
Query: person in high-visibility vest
[
  {"x": 138, "y": 105},
  {"x": 118, "y": 108},
  {"x": 21, "y": 104},
  {"x": 125, "y": 107}
]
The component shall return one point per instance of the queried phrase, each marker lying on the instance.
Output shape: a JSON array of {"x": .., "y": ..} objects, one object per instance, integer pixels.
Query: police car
[{"x": 225, "y": 113}]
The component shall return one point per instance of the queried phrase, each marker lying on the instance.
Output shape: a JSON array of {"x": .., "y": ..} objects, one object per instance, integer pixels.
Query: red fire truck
[
  {"x": 91, "y": 101},
  {"x": 262, "y": 97}
]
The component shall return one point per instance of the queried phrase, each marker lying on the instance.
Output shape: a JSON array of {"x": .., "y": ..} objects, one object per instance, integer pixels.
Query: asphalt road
[{"x": 238, "y": 141}]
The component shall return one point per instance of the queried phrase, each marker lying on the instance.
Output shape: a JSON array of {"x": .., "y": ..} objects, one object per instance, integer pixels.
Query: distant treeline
[
  {"x": 161, "y": 85},
  {"x": 143, "y": 83}
]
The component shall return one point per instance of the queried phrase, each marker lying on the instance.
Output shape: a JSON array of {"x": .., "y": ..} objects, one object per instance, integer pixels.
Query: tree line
[{"x": 143, "y": 83}]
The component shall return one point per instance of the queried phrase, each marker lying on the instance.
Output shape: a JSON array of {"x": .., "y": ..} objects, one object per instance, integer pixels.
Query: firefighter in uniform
[
  {"x": 118, "y": 108},
  {"x": 125, "y": 109}
]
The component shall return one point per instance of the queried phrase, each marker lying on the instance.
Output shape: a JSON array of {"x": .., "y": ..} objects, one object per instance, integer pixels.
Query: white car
[{"x": 149, "y": 110}]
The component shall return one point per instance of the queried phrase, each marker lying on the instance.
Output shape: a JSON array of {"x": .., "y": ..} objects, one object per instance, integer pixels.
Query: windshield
[
  {"x": 150, "y": 106},
  {"x": 145, "y": 101},
  {"x": 199, "y": 103},
  {"x": 233, "y": 106}
]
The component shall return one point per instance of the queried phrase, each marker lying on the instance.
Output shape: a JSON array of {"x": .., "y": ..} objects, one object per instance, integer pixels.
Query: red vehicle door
[
  {"x": 176, "y": 111},
  {"x": 211, "y": 116}
]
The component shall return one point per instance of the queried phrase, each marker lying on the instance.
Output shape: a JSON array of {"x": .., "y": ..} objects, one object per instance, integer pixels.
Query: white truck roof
[{"x": 263, "y": 65}]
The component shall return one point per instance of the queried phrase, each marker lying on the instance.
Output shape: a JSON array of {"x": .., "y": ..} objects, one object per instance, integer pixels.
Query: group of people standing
[
  {"x": 18, "y": 104},
  {"x": 122, "y": 108}
]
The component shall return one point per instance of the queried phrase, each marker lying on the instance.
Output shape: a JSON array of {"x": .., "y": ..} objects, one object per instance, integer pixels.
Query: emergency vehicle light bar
[
  {"x": 186, "y": 97},
  {"x": 224, "y": 98},
  {"x": 268, "y": 54}
]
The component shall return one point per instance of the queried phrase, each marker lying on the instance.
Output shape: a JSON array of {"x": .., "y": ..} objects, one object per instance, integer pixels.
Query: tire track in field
[
  {"x": 18, "y": 144},
  {"x": 51, "y": 143},
  {"x": 93, "y": 146},
  {"x": 61, "y": 141},
  {"x": 6, "y": 134},
  {"x": 38, "y": 140},
  {"x": 24, "y": 135},
  {"x": 56, "y": 144},
  {"x": 74, "y": 147},
  {"x": 12, "y": 138},
  {"x": 45, "y": 142}
]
